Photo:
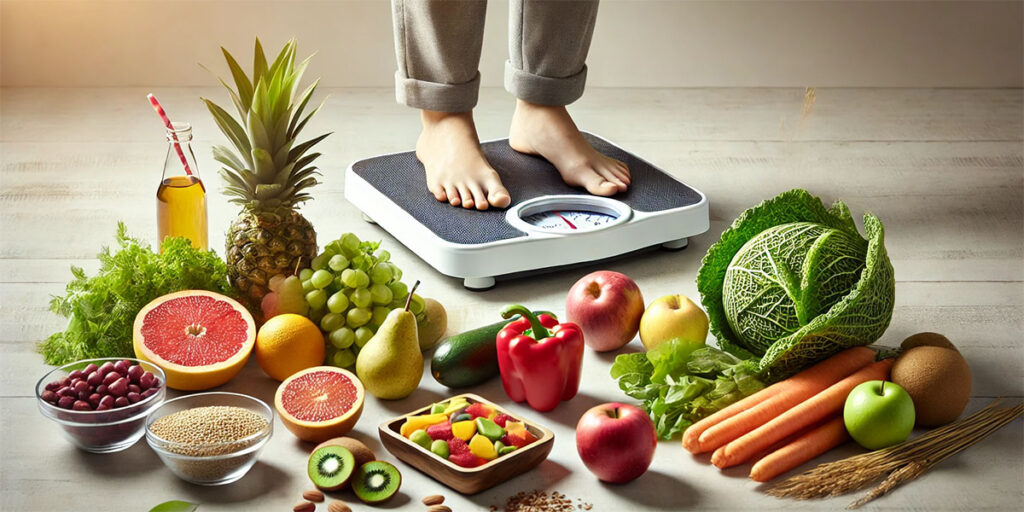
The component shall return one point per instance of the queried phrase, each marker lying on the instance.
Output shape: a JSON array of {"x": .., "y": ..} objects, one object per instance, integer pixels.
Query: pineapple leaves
[
  {"x": 265, "y": 191},
  {"x": 231, "y": 129},
  {"x": 267, "y": 169},
  {"x": 226, "y": 157},
  {"x": 301, "y": 149},
  {"x": 292, "y": 130},
  {"x": 242, "y": 82},
  {"x": 259, "y": 62},
  {"x": 264, "y": 165}
]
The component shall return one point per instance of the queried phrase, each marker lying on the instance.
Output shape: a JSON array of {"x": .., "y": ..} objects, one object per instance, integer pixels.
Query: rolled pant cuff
[
  {"x": 544, "y": 90},
  {"x": 436, "y": 96}
]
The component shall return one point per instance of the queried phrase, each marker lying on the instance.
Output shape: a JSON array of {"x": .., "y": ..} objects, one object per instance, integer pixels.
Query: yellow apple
[{"x": 671, "y": 317}]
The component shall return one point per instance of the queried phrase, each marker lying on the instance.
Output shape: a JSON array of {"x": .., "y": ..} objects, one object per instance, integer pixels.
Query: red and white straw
[{"x": 170, "y": 127}]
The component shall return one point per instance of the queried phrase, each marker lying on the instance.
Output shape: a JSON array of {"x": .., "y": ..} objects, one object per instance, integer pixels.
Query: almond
[
  {"x": 338, "y": 506},
  {"x": 439, "y": 508},
  {"x": 313, "y": 495},
  {"x": 433, "y": 499},
  {"x": 304, "y": 506}
]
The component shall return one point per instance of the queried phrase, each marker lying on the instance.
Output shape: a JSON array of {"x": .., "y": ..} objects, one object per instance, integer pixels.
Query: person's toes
[
  {"x": 497, "y": 194},
  {"x": 453, "y": 195},
  {"x": 610, "y": 176},
  {"x": 621, "y": 171},
  {"x": 598, "y": 185},
  {"x": 438, "y": 192},
  {"x": 479, "y": 197},
  {"x": 465, "y": 195}
]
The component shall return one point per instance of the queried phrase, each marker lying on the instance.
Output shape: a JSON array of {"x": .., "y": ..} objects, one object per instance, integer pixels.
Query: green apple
[
  {"x": 673, "y": 317},
  {"x": 878, "y": 414}
]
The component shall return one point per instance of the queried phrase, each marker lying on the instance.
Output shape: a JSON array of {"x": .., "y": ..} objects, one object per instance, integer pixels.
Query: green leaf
[
  {"x": 175, "y": 506},
  {"x": 301, "y": 149},
  {"x": 264, "y": 165},
  {"x": 242, "y": 83},
  {"x": 259, "y": 63},
  {"x": 231, "y": 129},
  {"x": 297, "y": 112}
]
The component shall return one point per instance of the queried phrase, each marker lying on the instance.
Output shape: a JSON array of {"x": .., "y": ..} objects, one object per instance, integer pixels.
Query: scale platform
[{"x": 549, "y": 224}]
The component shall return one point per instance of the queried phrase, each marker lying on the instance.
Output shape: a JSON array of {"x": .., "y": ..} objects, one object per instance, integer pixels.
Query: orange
[{"x": 287, "y": 344}]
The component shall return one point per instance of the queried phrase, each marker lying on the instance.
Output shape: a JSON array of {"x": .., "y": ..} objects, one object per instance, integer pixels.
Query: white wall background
[{"x": 642, "y": 43}]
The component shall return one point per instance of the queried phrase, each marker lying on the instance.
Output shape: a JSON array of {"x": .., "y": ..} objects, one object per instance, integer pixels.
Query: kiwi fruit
[
  {"x": 927, "y": 339},
  {"x": 937, "y": 379},
  {"x": 360, "y": 451},
  {"x": 331, "y": 467},
  {"x": 376, "y": 482}
]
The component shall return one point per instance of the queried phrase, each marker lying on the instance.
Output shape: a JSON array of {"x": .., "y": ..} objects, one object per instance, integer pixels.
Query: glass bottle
[{"x": 181, "y": 197}]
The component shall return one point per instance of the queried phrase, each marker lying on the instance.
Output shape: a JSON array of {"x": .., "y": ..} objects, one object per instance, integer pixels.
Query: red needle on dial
[{"x": 567, "y": 221}]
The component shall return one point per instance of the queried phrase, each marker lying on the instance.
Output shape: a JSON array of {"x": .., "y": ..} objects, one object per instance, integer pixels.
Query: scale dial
[
  {"x": 568, "y": 214},
  {"x": 573, "y": 220}
]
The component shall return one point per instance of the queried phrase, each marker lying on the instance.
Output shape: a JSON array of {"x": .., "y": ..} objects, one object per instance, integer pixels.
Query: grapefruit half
[
  {"x": 200, "y": 339},
  {"x": 319, "y": 403}
]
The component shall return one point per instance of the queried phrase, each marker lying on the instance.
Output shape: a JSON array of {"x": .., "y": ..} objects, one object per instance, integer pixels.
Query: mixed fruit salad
[{"x": 467, "y": 434}]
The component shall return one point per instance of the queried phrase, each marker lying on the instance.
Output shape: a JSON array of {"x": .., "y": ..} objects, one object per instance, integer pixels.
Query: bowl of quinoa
[{"x": 210, "y": 438}]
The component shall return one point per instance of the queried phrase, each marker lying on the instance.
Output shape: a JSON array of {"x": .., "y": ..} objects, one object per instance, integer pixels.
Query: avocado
[{"x": 469, "y": 358}]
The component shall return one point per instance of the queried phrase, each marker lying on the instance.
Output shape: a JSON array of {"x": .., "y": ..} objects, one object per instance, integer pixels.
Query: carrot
[
  {"x": 813, "y": 410},
  {"x": 811, "y": 444},
  {"x": 755, "y": 410}
]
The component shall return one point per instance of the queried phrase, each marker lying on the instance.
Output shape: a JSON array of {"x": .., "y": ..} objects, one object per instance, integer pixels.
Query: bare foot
[
  {"x": 551, "y": 133},
  {"x": 457, "y": 171}
]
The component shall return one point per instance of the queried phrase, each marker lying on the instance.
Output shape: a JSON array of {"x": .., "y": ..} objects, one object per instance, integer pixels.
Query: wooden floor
[{"x": 943, "y": 169}]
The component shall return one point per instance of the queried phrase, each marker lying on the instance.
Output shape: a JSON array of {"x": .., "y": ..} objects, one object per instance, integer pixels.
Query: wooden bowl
[{"x": 467, "y": 480}]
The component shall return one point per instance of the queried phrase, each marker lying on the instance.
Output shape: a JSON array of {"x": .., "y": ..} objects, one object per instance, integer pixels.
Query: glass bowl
[
  {"x": 106, "y": 431},
  {"x": 215, "y": 463}
]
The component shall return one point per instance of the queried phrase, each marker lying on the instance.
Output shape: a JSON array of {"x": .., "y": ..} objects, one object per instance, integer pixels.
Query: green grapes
[
  {"x": 332, "y": 321},
  {"x": 381, "y": 294},
  {"x": 316, "y": 299},
  {"x": 338, "y": 302},
  {"x": 321, "y": 278},
  {"x": 342, "y": 337},
  {"x": 338, "y": 262},
  {"x": 358, "y": 317},
  {"x": 362, "y": 298},
  {"x": 363, "y": 334},
  {"x": 351, "y": 288}
]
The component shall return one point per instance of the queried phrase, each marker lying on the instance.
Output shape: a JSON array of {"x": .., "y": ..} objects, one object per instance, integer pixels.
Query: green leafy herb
[
  {"x": 175, "y": 506},
  {"x": 678, "y": 386},
  {"x": 101, "y": 309}
]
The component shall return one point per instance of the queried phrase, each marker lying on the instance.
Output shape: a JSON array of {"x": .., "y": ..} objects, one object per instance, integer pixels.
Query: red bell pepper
[{"x": 539, "y": 367}]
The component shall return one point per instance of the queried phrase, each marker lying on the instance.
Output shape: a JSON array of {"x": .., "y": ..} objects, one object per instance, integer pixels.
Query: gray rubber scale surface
[{"x": 400, "y": 177}]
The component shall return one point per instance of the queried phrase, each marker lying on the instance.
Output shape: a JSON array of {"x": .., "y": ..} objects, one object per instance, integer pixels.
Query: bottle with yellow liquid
[{"x": 181, "y": 197}]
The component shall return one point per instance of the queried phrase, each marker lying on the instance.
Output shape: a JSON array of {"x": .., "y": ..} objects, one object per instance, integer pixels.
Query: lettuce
[{"x": 678, "y": 386}]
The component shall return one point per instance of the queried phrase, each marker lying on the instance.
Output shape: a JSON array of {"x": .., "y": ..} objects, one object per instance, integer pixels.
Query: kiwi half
[
  {"x": 376, "y": 482},
  {"x": 331, "y": 467}
]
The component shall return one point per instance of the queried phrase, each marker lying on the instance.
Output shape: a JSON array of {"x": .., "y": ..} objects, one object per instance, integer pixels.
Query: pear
[
  {"x": 291, "y": 298},
  {"x": 390, "y": 365}
]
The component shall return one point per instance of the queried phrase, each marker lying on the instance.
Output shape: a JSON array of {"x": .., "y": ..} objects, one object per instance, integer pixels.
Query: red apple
[
  {"x": 607, "y": 306},
  {"x": 616, "y": 441}
]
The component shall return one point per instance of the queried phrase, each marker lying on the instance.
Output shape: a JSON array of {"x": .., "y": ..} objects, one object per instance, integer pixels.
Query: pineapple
[{"x": 267, "y": 171}]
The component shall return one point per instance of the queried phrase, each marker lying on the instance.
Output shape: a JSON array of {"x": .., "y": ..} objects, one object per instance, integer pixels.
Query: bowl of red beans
[{"x": 101, "y": 404}]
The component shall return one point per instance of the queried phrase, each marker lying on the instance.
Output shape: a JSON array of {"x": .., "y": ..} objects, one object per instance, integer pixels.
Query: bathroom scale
[{"x": 549, "y": 225}]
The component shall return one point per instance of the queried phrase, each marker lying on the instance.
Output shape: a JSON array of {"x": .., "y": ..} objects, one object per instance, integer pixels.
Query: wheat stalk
[{"x": 903, "y": 462}]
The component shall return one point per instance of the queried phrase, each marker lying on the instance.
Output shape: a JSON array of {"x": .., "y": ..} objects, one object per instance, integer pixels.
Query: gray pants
[{"x": 437, "y": 44}]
